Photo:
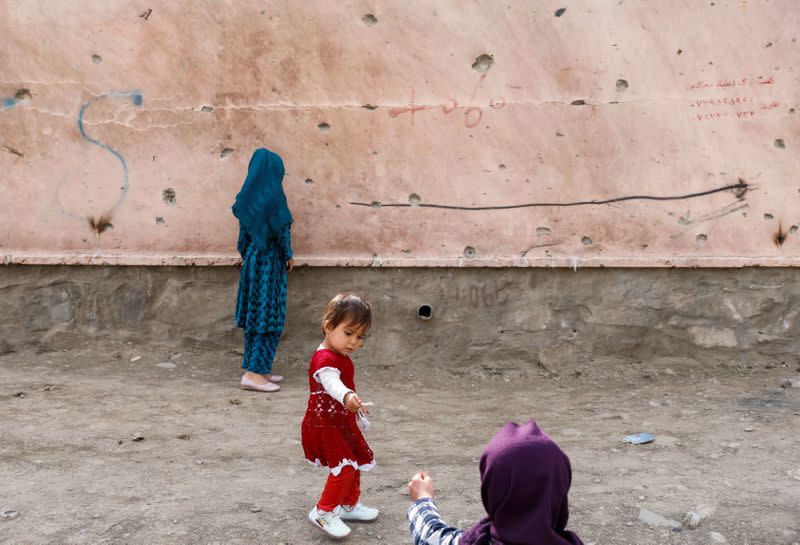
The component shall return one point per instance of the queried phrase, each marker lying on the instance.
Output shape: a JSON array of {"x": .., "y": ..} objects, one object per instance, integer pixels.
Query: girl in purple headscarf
[{"x": 525, "y": 480}]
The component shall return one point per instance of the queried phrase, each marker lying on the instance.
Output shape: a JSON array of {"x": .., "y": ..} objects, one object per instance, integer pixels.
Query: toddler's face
[{"x": 345, "y": 338}]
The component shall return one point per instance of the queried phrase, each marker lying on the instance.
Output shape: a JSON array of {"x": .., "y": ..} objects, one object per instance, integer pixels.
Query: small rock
[
  {"x": 692, "y": 520},
  {"x": 8, "y": 513},
  {"x": 20, "y": 394},
  {"x": 749, "y": 428},
  {"x": 790, "y": 383},
  {"x": 184, "y": 436},
  {"x": 255, "y": 509},
  {"x": 136, "y": 358},
  {"x": 717, "y": 537},
  {"x": 166, "y": 365},
  {"x": 51, "y": 387},
  {"x": 198, "y": 462},
  {"x": 5, "y": 348},
  {"x": 654, "y": 519},
  {"x": 235, "y": 402},
  {"x": 138, "y": 438}
]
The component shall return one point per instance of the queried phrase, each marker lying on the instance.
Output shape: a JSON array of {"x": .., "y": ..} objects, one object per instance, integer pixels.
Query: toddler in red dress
[{"x": 330, "y": 432}]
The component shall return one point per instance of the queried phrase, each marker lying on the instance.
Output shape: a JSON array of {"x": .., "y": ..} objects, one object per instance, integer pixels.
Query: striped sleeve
[{"x": 427, "y": 527}]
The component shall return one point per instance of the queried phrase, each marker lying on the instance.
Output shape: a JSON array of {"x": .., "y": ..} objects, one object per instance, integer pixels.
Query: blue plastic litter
[{"x": 639, "y": 438}]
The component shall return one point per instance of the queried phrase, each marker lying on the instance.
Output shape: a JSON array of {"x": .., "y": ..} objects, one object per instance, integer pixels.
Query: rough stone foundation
[{"x": 507, "y": 318}]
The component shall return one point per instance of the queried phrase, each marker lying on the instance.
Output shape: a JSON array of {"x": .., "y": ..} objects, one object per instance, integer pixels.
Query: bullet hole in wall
[
  {"x": 207, "y": 109},
  {"x": 501, "y": 166},
  {"x": 375, "y": 204},
  {"x": 160, "y": 221},
  {"x": 621, "y": 85},
  {"x": 97, "y": 59},
  {"x": 560, "y": 12},
  {"x": 483, "y": 63},
  {"x": 701, "y": 238},
  {"x": 542, "y": 231},
  {"x": 793, "y": 229},
  {"x": 324, "y": 127},
  {"x": 369, "y": 107},
  {"x": 587, "y": 241},
  {"x": 414, "y": 199},
  {"x": 225, "y": 152},
  {"x": 469, "y": 252},
  {"x": 168, "y": 196},
  {"x": 779, "y": 143},
  {"x": 309, "y": 181},
  {"x": 791, "y": 110},
  {"x": 578, "y": 103},
  {"x": 768, "y": 216},
  {"x": 369, "y": 19},
  {"x": 679, "y": 51},
  {"x": 22, "y": 94}
]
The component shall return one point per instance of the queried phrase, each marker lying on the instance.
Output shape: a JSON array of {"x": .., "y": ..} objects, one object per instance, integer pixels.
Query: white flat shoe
[
  {"x": 359, "y": 513},
  {"x": 248, "y": 384},
  {"x": 329, "y": 522}
]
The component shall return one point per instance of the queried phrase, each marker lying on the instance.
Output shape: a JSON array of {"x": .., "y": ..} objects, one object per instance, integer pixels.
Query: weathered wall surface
[
  {"x": 125, "y": 130},
  {"x": 481, "y": 320}
]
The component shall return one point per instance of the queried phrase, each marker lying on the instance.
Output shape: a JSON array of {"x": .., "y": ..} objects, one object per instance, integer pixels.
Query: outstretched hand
[
  {"x": 290, "y": 265},
  {"x": 420, "y": 486},
  {"x": 353, "y": 403}
]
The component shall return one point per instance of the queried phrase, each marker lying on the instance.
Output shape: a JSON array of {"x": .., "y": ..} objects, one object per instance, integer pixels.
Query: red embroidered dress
[{"x": 331, "y": 437}]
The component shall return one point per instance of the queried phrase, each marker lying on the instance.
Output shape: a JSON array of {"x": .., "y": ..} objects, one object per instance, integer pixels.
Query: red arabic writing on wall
[
  {"x": 722, "y": 83},
  {"x": 472, "y": 114}
]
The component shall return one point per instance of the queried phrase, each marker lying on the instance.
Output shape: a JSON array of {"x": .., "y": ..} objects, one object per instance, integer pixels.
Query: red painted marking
[
  {"x": 472, "y": 114},
  {"x": 450, "y": 105},
  {"x": 411, "y": 108},
  {"x": 475, "y": 120}
]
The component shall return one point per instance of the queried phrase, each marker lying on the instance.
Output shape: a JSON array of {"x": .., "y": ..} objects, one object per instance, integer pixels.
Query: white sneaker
[
  {"x": 329, "y": 522},
  {"x": 359, "y": 513}
]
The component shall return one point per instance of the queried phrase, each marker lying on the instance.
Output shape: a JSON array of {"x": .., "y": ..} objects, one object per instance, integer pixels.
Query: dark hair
[{"x": 350, "y": 308}]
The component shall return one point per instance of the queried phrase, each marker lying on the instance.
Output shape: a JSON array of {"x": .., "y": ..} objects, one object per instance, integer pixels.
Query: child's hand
[
  {"x": 290, "y": 265},
  {"x": 352, "y": 402},
  {"x": 420, "y": 486}
]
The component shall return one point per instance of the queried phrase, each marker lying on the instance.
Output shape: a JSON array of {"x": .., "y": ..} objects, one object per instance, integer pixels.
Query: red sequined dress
[{"x": 331, "y": 437}]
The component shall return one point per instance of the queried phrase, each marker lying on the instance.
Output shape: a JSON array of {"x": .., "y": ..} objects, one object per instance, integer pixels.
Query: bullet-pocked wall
[{"x": 414, "y": 133}]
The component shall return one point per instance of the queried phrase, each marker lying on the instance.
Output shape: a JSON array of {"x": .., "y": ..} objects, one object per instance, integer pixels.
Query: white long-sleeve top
[{"x": 333, "y": 385}]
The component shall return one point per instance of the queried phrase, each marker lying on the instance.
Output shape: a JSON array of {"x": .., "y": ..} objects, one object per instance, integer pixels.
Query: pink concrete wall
[{"x": 126, "y": 127}]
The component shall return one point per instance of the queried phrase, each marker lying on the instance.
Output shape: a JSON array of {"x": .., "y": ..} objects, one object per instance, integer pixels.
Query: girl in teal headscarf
[{"x": 265, "y": 247}]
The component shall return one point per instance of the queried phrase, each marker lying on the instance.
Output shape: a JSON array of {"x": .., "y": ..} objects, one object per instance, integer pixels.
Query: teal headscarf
[{"x": 261, "y": 205}]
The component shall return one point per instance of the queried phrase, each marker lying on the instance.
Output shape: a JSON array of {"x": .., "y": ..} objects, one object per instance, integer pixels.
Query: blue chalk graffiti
[
  {"x": 9, "y": 103},
  {"x": 137, "y": 99}
]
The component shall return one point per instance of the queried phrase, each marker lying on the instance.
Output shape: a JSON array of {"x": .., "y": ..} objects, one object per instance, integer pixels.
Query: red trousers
[{"x": 343, "y": 489}]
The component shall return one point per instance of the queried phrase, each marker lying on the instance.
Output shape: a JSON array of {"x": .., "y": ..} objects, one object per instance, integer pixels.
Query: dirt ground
[{"x": 119, "y": 443}]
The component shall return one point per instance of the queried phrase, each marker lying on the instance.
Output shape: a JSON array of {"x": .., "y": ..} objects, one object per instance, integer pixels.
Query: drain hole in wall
[{"x": 425, "y": 312}]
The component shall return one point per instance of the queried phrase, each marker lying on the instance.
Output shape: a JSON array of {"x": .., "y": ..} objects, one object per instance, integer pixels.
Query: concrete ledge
[{"x": 507, "y": 317}]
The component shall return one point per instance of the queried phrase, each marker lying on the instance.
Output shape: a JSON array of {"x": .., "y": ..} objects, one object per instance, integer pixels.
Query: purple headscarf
[{"x": 525, "y": 480}]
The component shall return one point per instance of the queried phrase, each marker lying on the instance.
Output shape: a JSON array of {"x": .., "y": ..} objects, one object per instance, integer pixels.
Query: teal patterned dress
[{"x": 261, "y": 302}]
